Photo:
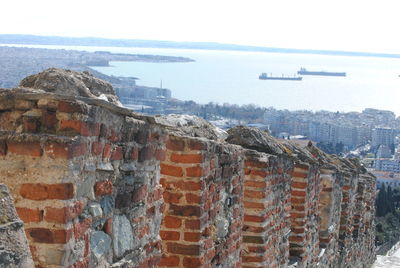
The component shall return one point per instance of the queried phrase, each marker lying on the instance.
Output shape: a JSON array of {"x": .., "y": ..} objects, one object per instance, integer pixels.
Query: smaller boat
[{"x": 264, "y": 76}]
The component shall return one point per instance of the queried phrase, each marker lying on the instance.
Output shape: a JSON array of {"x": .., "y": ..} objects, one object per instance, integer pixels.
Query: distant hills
[{"x": 94, "y": 41}]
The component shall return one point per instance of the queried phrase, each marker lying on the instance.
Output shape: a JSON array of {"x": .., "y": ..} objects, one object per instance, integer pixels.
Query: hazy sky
[{"x": 318, "y": 24}]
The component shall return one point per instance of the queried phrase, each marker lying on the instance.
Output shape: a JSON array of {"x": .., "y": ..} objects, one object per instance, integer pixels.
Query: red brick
[
  {"x": 187, "y": 211},
  {"x": 90, "y": 129},
  {"x": 134, "y": 154},
  {"x": 300, "y": 185},
  {"x": 259, "y": 249},
  {"x": 170, "y": 261},
  {"x": 254, "y": 229},
  {"x": 189, "y": 185},
  {"x": 297, "y": 200},
  {"x": 57, "y": 150},
  {"x": 64, "y": 214},
  {"x": 139, "y": 194},
  {"x": 256, "y": 184},
  {"x": 176, "y": 248},
  {"x": 252, "y": 218},
  {"x": 298, "y": 230},
  {"x": 172, "y": 198},
  {"x": 73, "y": 126},
  {"x": 197, "y": 145},
  {"x": 64, "y": 150},
  {"x": 115, "y": 136},
  {"x": 171, "y": 170},
  {"x": 175, "y": 144},
  {"x": 31, "y": 124},
  {"x": 29, "y": 215},
  {"x": 299, "y": 175},
  {"x": 169, "y": 235},
  {"x": 25, "y": 148},
  {"x": 186, "y": 158},
  {"x": 253, "y": 239},
  {"x": 252, "y": 259},
  {"x": 56, "y": 215},
  {"x": 107, "y": 228},
  {"x": 62, "y": 191},
  {"x": 103, "y": 188},
  {"x": 49, "y": 236},
  {"x": 297, "y": 252},
  {"x": 3, "y": 147},
  {"x": 117, "y": 153},
  {"x": 159, "y": 154},
  {"x": 192, "y": 224},
  {"x": 192, "y": 262},
  {"x": 172, "y": 222},
  {"x": 80, "y": 228},
  {"x": 294, "y": 215},
  {"x": 49, "y": 120},
  {"x": 252, "y": 163},
  {"x": 191, "y": 237},
  {"x": 259, "y": 173},
  {"x": 296, "y": 238},
  {"x": 107, "y": 151},
  {"x": 192, "y": 198},
  {"x": 40, "y": 191},
  {"x": 194, "y": 171},
  {"x": 254, "y": 205},
  {"x": 298, "y": 193},
  {"x": 299, "y": 208},
  {"x": 346, "y": 187},
  {"x": 151, "y": 211},
  {"x": 72, "y": 107},
  {"x": 97, "y": 148}
]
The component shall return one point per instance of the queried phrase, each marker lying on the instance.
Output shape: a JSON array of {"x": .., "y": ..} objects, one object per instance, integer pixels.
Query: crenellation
[{"x": 99, "y": 186}]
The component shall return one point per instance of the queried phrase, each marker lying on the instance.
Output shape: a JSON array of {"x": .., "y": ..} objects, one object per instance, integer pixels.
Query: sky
[{"x": 350, "y": 25}]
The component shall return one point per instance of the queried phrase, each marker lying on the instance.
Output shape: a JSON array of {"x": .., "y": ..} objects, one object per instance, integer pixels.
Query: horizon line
[{"x": 203, "y": 45}]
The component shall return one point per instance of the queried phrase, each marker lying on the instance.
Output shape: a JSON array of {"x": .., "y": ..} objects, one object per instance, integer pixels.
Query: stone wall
[
  {"x": 85, "y": 181},
  {"x": 14, "y": 250},
  {"x": 98, "y": 186}
]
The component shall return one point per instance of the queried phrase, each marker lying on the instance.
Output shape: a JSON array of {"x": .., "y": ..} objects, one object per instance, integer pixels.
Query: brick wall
[
  {"x": 267, "y": 205},
  {"x": 305, "y": 192},
  {"x": 85, "y": 181},
  {"x": 97, "y": 185},
  {"x": 203, "y": 188}
]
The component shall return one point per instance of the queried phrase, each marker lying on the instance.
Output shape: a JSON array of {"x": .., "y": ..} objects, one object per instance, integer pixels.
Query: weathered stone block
[
  {"x": 122, "y": 235},
  {"x": 100, "y": 244}
]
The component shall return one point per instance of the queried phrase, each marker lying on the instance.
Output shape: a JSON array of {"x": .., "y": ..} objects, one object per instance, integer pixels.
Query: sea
[{"x": 232, "y": 77}]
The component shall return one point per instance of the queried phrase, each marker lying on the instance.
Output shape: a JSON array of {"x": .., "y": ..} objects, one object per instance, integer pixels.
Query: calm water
[{"x": 232, "y": 77}]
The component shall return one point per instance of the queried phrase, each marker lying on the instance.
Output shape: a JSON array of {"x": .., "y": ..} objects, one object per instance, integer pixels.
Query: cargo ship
[
  {"x": 264, "y": 76},
  {"x": 303, "y": 71}
]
